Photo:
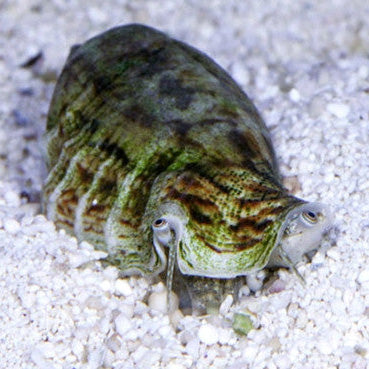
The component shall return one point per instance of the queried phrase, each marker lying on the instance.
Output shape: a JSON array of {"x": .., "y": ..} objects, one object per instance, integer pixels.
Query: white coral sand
[{"x": 306, "y": 66}]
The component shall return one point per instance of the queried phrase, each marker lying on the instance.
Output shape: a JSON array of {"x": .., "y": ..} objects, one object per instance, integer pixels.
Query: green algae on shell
[{"x": 156, "y": 156}]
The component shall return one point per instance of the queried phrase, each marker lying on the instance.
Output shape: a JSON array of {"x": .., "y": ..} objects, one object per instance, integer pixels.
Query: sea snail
[{"x": 156, "y": 156}]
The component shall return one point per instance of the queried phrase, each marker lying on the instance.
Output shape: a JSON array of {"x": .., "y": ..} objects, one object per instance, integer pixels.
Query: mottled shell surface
[{"x": 142, "y": 126}]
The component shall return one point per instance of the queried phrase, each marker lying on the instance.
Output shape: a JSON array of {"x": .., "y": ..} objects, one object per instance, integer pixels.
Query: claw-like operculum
[
  {"x": 300, "y": 233},
  {"x": 167, "y": 232}
]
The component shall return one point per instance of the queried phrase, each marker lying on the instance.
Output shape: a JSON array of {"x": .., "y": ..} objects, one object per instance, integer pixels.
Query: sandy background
[{"x": 306, "y": 66}]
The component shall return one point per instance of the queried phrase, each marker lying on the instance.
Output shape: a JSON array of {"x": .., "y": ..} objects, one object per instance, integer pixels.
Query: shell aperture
[{"x": 152, "y": 146}]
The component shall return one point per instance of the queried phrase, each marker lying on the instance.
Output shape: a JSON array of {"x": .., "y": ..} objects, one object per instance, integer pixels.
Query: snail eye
[
  {"x": 310, "y": 217},
  {"x": 159, "y": 223}
]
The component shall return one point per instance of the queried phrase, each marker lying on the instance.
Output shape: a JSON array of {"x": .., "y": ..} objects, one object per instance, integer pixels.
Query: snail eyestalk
[{"x": 168, "y": 232}]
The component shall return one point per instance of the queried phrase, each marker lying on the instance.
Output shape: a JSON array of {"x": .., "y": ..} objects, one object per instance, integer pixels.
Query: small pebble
[
  {"x": 338, "y": 110},
  {"x": 242, "y": 324},
  {"x": 240, "y": 74},
  {"x": 277, "y": 286},
  {"x": 106, "y": 285},
  {"x": 334, "y": 254},
  {"x": 96, "y": 15},
  {"x": 208, "y": 334},
  {"x": 192, "y": 348},
  {"x": 158, "y": 301},
  {"x": 122, "y": 288},
  {"x": 363, "y": 276},
  {"x": 123, "y": 324},
  {"x": 11, "y": 225},
  {"x": 76, "y": 260},
  {"x": 127, "y": 309},
  {"x": 294, "y": 95},
  {"x": 282, "y": 361},
  {"x": 12, "y": 198},
  {"x": 226, "y": 305},
  {"x": 363, "y": 72}
]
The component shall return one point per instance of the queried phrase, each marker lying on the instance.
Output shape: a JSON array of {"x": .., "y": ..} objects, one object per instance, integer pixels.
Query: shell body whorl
[{"x": 140, "y": 126}]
